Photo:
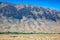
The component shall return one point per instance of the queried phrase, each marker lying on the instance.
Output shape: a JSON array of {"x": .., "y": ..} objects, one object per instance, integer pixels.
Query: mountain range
[{"x": 28, "y": 18}]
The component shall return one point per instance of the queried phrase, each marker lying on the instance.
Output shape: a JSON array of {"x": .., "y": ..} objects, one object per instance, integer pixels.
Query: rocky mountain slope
[{"x": 28, "y": 18}]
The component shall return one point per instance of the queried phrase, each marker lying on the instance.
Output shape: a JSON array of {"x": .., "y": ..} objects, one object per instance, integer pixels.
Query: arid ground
[{"x": 29, "y": 36}]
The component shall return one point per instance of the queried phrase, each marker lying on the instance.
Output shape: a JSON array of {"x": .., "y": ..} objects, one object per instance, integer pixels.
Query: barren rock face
[{"x": 28, "y": 18}]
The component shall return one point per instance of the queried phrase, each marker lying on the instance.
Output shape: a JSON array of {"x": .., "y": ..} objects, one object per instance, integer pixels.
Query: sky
[{"x": 53, "y": 4}]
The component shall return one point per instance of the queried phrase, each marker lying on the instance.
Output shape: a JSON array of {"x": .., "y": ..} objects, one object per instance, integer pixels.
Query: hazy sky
[{"x": 54, "y": 4}]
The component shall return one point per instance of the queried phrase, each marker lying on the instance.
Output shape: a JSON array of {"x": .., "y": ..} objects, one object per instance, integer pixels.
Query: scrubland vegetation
[{"x": 26, "y": 33}]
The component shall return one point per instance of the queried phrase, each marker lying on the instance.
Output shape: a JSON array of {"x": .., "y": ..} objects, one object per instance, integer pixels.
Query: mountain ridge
[{"x": 28, "y": 18}]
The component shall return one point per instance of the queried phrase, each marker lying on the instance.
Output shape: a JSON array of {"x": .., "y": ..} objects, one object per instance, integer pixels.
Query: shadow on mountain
[{"x": 11, "y": 11}]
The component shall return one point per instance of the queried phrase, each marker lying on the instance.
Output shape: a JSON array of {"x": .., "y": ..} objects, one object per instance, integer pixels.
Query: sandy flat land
[{"x": 29, "y": 36}]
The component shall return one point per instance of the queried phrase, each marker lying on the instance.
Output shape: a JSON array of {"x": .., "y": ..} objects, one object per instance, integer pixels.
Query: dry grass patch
[{"x": 29, "y": 36}]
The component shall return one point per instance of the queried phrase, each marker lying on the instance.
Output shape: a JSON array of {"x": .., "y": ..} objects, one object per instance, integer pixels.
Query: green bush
[{"x": 26, "y": 33}]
